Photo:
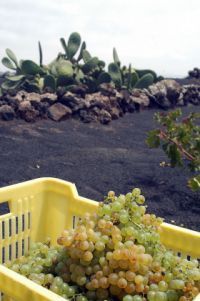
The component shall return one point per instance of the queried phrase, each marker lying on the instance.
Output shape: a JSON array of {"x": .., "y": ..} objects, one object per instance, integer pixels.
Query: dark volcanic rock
[
  {"x": 33, "y": 97},
  {"x": 87, "y": 116},
  {"x": 70, "y": 100},
  {"x": 59, "y": 112},
  {"x": 7, "y": 112},
  {"x": 105, "y": 117},
  {"x": 42, "y": 108},
  {"x": 165, "y": 93},
  {"x": 139, "y": 97},
  {"x": 115, "y": 113},
  {"x": 107, "y": 89},
  {"x": 27, "y": 112},
  {"x": 104, "y": 105},
  {"x": 79, "y": 90},
  {"x": 15, "y": 100},
  {"x": 97, "y": 100},
  {"x": 50, "y": 98},
  {"x": 191, "y": 94}
]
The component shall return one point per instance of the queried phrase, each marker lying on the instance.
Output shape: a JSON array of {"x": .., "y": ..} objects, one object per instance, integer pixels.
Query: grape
[
  {"x": 130, "y": 276},
  {"x": 160, "y": 296},
  {"x": 122, "y": 282},
  {"x": 25, "y": 269},
  {"x": 103, "y": 282},
  {"x": 100, "y": 246},
  {"x": 130, "y": 288},
  {"x": 172, "y": 295},
  {"x": 128, "y": 298},
  {"x": 163, "y": 286},
  {"x": 137, "y": 298},
  {"x": 124, "y": 218},
  {"x": 140, "y": 199},
  {"x": 102, "y": 294},
  {"x": 151, "y": 295},
  {"x": 194, "y": 274},
  {"x": 176, "y": 284},
  {"x": 168, "y": 276},
  {"x": 136, "y": 192},
  {"x": 87, "y": 256},
  {"x": 48, "y": 279},
  {"x": 153, "y": 287},
  {"x": 37, "y": 269},
  {"x": 113, "y": 278},
  {"x": 139, "y": 279},
  {"x": 116, "y": 206},
  {"x": 106, "y": 209}
]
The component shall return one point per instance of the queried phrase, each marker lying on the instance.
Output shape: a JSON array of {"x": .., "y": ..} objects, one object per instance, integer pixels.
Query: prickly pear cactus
[
  {"x": 141, "y": 73},
  {"x": 8, "y": 63},
  {"x": 64, "y": 68},
  {"x": 145, "y": 81},
  {"x": 28, "y": 67},
  {"x": 116, "y": 57},
  {"x": 12, "y": 56},
  {"x": 90, "y": 65},
  {"x": 114, "y": 71},
  {"x": 73, "y": 45},
  {"x": 104, "y": 77},
  {"x": 40, "y": 54},
  {"x": 50, "y": 82},
  {"x": 83, "y": 47},
  {"x": 86, "y": 56}
]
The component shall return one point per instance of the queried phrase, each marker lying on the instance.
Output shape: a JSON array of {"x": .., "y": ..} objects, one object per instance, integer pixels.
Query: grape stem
[
  {"x": 163, "y": 135},
  {"x": 140, "y": 227}
]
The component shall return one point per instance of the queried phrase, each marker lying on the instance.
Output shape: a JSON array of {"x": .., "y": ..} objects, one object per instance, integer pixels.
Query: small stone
[
  {"x": 24, "y": 105},
  {"x": 42, "y": 107},
  {"x": 107, "y": 89},
  {"x": 16, "y": 99},
  {"x": 105, "y": 117},
  {"x": 115, "y": 113},
  {"x": 126, "y": 95},
  {"x": 50, "y": 98},
  {"x": 59, "y": 112},
  {"x": 140, "y": 98},
  {"x": 97, "y": 100},
  {"x": 96, "y": 111},
  {"x": 79, "y": 89},
  {"x": 7, "y": 112},
  {"x": 33, "y": 97},
  {"x": 27, "y": 112},
  {"x": 86, "y": 116},
  {"x": 132, "y": 107},
  {"x": 70, "y": 100}
]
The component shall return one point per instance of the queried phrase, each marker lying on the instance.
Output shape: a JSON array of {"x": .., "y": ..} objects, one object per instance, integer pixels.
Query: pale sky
[{"x": 163, "y": 35}]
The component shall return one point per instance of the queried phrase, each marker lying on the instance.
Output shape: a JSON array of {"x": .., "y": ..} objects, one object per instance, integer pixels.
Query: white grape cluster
[
  {"x": 117, "y": 252},
  {"x": 39, "y": 266}
]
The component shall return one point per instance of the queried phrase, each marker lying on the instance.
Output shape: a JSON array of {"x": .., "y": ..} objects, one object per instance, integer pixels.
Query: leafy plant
[
  {"x": 28, "y": 75},
  {"x": 130, "y": 78},
  {"x": 73, "y": 67},
  {"x": 180, "y": 140}
]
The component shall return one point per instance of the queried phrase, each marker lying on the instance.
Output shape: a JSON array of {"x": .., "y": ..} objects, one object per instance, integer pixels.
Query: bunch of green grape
[
  {"x": 117, "y": 252},
  {"x": 39, "y": 266}
]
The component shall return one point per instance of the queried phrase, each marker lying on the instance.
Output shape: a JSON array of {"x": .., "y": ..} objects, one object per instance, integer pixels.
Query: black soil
[{"x": 97, "y": 159}]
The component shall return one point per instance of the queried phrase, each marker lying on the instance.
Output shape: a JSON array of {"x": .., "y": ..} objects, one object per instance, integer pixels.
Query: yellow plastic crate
[{"x": 43, "y": 208}]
